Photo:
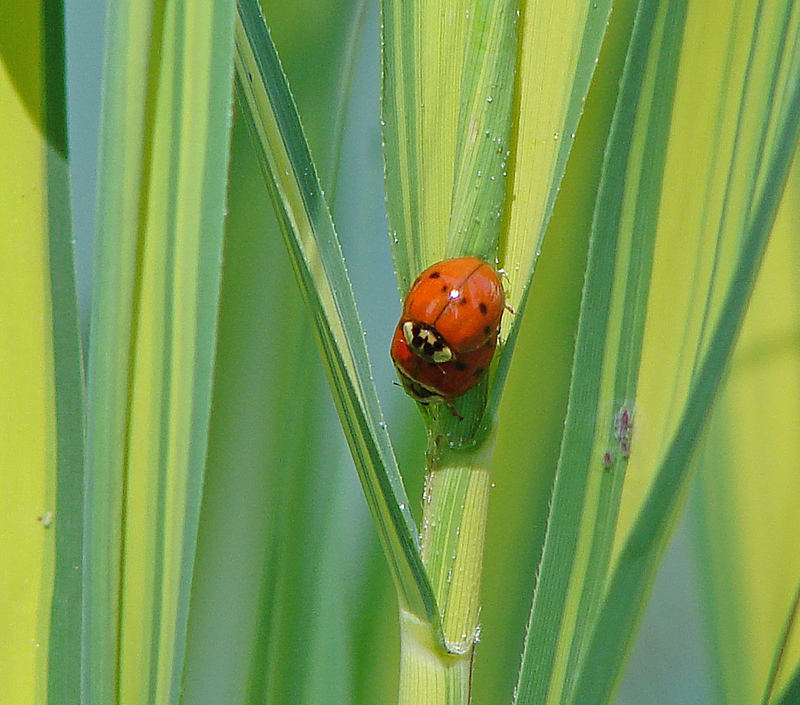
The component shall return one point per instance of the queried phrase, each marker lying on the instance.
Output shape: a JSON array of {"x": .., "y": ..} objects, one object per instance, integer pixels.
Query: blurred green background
[{"x": 247, "y": 513}]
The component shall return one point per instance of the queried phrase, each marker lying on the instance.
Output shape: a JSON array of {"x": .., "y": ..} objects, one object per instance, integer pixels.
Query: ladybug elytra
[{"x": 447, "y": 333}]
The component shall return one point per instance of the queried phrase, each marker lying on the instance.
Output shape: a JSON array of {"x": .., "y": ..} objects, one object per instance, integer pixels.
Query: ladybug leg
[
  {"x": 510, "y": 310},
  {"x": 453, "y": 410},
  {"x": 450, "y": 407}
]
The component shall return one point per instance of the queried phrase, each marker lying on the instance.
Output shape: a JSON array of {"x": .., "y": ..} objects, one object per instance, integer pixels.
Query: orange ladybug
[{"x": 447, "y": 333}]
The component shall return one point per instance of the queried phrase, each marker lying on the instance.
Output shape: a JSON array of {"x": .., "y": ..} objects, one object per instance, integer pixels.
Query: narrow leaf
[
  {"x": 559, "y": 46},
  {"x": 748, "y": 484},
  {"x": 314, "y": 249},
  {"x": 675, "y": 247},
  {"x": 41, "y": 405},
  {"x": 448, "y": 71},
  {"x": 163, "y": 168}
]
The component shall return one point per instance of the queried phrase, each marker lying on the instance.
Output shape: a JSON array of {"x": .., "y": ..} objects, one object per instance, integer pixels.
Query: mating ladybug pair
[{"x": 448, "y": 330}]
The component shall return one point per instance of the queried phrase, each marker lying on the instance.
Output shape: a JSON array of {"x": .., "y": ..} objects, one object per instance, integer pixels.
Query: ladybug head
[
  {"x": 417, "y": 391},
  {"x": 426, "y": 342}
]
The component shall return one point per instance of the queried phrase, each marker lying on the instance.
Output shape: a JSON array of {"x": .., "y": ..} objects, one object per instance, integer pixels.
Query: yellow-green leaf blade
[
  {"x": 160, "y": 213},
  {"x": 749, "y": 487},
  {"x": 558, "y": 48},
  {"x": 314, "y": 249},
  {"x": 447, "y": 94},
  {"x": 421, "y": 110},
  {"x": 559, "y": 45},
  {"x": 484, "y": 128},
  {"x": 660, "y": 314},
  {"x": 41, "y": 395}
]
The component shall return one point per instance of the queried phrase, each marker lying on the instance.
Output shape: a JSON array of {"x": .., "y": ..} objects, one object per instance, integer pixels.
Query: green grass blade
[
  {"x": 41, "y": 405},
  {"x": 531, "y": 425},
  {"x": 269, "y": 594},
  {"x": 559, "y": 45},
  {"x": 792, "y": 693},
  {"x": 63, "y": 684},
  {"x": 483, "y": 132},
  {"x": 314, "y": 249},
  {"x": 163, "y": 168},
  {"x": 447, "y": 94},
  {"x": 748, "y": 485},
  {"x": 661, "y": 311}
]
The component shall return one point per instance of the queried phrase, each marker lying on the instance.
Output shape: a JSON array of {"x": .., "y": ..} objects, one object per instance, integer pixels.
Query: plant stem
[
  {"x": 429, "y": 675},
  {"x": 455, "y": 505}
]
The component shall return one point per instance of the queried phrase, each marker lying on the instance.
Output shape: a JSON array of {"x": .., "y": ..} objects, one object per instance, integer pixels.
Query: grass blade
[
  {"x": 448, "y": 72},
  {"x": 559, "y": 46},
  {"x": 618, "y": 489},
  {"x": 531, "y": 425},
  {"x": 792, "y": 692},
  {"x": 314, "y": 249},
  {"x": 748, "y": 485},
  {"x": 163, "y": 168},
  {"x": 41, "y": 404},
  {"x": 267, "y": 598}
]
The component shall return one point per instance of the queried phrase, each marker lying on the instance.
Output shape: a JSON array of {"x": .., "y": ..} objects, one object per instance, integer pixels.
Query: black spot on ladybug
[
  {"x": 463, "y": 300},
  {"x": 461, "y": 365},
  {"x": 478, "y": 372},
  {"x": 482, "y": 307},
  {"x": 487, "y": 330},
  {"x": 444, "y": 289},
  {"x": 435, "y": 275},
  {"x": 489, "y": 344}
]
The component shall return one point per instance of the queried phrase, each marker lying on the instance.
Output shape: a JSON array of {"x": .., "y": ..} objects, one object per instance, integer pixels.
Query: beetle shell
[
  {"x": 447, "y": 333},
  {"x": 461, "y": 300}
]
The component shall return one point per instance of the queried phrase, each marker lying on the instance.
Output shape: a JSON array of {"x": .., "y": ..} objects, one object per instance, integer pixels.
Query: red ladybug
[{"x": 447, "y": 333}]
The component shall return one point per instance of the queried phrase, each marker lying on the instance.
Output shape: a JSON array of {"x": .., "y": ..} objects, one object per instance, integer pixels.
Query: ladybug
[{"x": 447, "y": 333}]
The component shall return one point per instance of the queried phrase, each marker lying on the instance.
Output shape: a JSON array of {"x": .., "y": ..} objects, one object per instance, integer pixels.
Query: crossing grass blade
[
  {"x": 41, "y": 398},
  {"x": 694, "y": 166},
  {"x": 163, "y": 168},
  {"x": 268, "y": 108},
  {"x": 748, "y": 485}
]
